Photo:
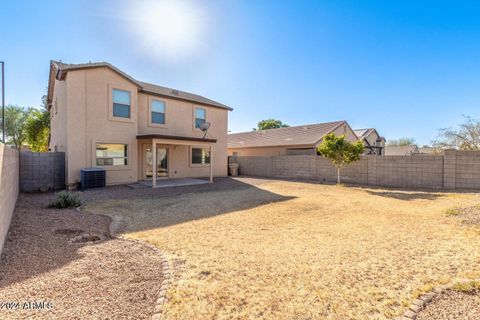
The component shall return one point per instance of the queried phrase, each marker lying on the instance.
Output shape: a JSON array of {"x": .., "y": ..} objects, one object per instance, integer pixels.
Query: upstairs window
[
  {"x": 200, "y": 155},
  {"x": 111, "y": 154},
  {"x": 121, "y": 103},
  {"x": 200, "y": 117},
  {"x": 158, "y": 111}
]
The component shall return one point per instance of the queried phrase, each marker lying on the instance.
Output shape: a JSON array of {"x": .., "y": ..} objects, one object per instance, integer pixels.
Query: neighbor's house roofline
[
  {"x": 306, "y": 135},
  {"x": 362, "y": 134},
  {"x": 59, "y": 70}
]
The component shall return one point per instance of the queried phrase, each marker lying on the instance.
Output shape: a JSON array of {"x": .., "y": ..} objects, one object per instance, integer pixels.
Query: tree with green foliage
[
  {"x": 400, "y": 142},
  {"x": 340, "y": 151},
  {"x": 15, "y": 125},
  {"x": 270, "y": 124},
  {"x": 38, "y": 128}
]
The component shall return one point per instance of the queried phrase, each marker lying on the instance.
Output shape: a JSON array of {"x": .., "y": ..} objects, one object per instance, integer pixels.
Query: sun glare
[{"x": 167, "y": 29}]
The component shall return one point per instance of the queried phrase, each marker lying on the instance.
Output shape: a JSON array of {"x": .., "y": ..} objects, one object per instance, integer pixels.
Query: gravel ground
[
  {"x": 470, "y": 215},
  {"x": 111, "y": 279},
  {"x": 452, "y": 305}
]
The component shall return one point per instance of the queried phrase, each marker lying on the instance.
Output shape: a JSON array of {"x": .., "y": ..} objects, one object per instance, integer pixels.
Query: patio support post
[
  {"x": 211, "y": 164},
  {"x": 154, "y": 162}
]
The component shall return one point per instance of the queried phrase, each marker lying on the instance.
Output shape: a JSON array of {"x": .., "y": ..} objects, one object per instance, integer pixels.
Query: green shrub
[
  {"x": 453, "y": 212},
  {"x": 65, "y": 199}
]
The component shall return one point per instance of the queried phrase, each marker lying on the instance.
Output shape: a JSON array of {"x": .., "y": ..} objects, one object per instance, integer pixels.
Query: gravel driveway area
[
  {"x": 110, "y": 279},
  {"x": 453, "y": 305}
]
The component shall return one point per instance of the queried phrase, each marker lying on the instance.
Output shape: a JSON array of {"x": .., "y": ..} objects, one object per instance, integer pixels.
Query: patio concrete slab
[{"x": 164, "y": 183}]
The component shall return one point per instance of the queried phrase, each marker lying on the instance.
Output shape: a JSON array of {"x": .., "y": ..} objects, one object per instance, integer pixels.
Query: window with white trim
[
  {"x": 111, "y": 154},
  {"x": 200, "y": 155},
  {"x": 200, "y": 117},
  {"x": 157, "y": 109},
  {"x": 121, "y": 103}
]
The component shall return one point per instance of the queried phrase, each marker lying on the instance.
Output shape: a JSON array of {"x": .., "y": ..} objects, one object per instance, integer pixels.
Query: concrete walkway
[{"x": 164, "y": 183}]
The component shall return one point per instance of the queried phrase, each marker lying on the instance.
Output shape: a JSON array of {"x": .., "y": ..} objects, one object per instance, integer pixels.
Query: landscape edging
[
  {"x": 166, "y": 272},
  {"x": 423, "y": 300}
]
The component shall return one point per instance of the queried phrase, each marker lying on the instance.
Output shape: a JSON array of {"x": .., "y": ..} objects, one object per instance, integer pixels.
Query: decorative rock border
[
  {"x": 421, "y": 302},
  {"x": 166, "y": 277},
  {"x": 166, "y": 271}
]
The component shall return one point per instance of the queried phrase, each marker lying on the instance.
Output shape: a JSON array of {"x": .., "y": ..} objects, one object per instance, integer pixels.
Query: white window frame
[
  {"x": 133, "y": 99},
  {"x": 112, "y": 167},
  {"x": 152, "y": 124},
  {"x": 191, "y": 156},
  {"x": 195, "y": 116}
]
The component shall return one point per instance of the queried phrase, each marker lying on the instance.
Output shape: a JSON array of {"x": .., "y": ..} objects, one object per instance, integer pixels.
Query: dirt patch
[
  {"x": 292, "y": 250},
  {"x": 468, "y": 215},
  {"x": 102, "y": 278},
  {"x": 452, "y": 305}
]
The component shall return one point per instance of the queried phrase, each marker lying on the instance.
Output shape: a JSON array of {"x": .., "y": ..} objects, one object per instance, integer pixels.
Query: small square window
[
  {"x": 121, "y": 103},
  {"x": 158, "y": 111},
  {"x": 200, "y": 117},
  {"x": 200, "y": 156},
  {"x": 111, "y": 154}
]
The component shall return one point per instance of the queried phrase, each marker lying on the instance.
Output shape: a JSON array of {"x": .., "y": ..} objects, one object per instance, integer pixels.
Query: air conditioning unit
[{"x": 92, "y": 178}]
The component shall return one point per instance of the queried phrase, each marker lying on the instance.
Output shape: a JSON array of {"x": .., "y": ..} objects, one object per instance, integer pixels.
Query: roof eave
[{"x": 187, "y": 100}]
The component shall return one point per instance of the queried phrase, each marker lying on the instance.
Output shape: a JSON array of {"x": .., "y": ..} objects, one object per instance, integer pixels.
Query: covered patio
[{"x": 171, "y": 164}]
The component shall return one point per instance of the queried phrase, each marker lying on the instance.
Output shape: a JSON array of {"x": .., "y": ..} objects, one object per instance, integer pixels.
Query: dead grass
[{"x": 289, "y": 250}]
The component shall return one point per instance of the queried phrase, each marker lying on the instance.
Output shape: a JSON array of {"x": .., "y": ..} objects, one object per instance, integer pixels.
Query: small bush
[
  {"x": 453, "y": 212},
  {"x": 65, "y": 199},
  {"x": 467, "y": 286}
]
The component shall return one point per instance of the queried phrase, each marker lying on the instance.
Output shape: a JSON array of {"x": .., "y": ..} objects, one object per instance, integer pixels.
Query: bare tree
[
  {"x": 466, "y": 137},
  {"x": 401, "y": 142}
]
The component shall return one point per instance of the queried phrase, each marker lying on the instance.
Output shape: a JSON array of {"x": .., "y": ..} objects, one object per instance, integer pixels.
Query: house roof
[
  {"x": 289, "y": 136},
  {"x": 401, "y": 150},
  {"x": 363, "y": 133},
  {"x": 59, "y": 70}
]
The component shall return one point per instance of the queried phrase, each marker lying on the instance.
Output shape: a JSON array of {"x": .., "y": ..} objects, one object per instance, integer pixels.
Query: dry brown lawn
[{"x": 292, "y": 250}]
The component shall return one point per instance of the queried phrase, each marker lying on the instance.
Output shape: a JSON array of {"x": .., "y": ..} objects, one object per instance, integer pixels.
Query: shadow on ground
[
  {"x": 406, "y": 196},
  {"x": 171, "y": 206},
  {"x": 38, "y": 238}
]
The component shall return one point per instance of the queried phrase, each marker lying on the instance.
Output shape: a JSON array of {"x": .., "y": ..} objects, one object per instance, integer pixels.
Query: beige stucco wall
[
  {"x": 179, "y": 121},
  {"x": 89, "y": 121},
  {"x": 9, "y": 184}
]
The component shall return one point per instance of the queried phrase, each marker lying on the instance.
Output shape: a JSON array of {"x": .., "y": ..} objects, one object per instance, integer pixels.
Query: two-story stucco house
[{"x": 102, "y": 117}]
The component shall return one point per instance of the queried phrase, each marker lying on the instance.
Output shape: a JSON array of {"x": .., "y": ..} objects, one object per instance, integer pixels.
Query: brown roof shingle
[
  {"x": 289, "y": 136},
  {"x": 143, "y": 86}
]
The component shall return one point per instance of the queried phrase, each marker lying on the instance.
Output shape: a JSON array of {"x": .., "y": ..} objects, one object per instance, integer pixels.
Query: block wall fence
[
  {"x": 9, "y": 186},
  {"x": 42, "y": 171},
  {"x": 452, "y": 170}
]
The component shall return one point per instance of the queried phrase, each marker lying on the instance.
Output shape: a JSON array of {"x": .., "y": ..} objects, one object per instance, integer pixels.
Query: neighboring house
[
  {"x": 401, "y": 150},
  {"x": 430, "y": 151},
  {"x": 299, "y": 140},
  {"x": 102, "y": 117},
  {"x": 373, "y": 142}
]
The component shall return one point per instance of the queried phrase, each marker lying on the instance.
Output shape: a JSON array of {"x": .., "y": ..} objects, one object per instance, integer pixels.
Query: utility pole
[{"x": 3, "y": 101}]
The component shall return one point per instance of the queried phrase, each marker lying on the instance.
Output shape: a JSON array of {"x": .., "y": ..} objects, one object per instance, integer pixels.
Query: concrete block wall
[
  {"x": 254, "y": 166},
  {"x": 418, "y": 171},
  {"x": 42, "y": 171},
  {"x": 9, "y": 187},
  {"x": 453, "y": 170},
  {"x": 467, "y": 169},
  {"x": 293, "y": 166}
]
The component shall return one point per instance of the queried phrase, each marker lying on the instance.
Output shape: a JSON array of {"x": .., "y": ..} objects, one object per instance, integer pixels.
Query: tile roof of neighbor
[
  {"x": 289, "y": 136},
  {"x": 401, "y": 150},
  {"x": 144, "y": 86},
  {"x": 362, "y": 133}
]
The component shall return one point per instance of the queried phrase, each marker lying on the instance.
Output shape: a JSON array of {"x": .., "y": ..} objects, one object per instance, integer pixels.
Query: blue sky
[{"x": 406, "y": 68}]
